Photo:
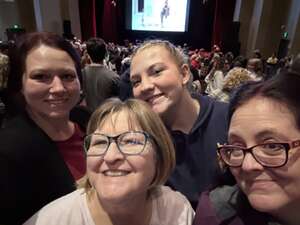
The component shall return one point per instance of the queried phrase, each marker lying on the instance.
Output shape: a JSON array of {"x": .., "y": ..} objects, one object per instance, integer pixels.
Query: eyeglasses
[
  {"x": 268, "y": 154},
  {"x": 128, "y": 143}
]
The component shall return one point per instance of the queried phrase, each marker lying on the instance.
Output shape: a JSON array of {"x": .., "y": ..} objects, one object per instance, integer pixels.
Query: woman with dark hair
[
  {"x": 263, "y": 154},
  {"x": 41, "y": 154}
]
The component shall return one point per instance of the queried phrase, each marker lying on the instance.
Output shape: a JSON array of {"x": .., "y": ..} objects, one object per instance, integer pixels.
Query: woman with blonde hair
[
  {"x": 129, "y": 157},
  {"x": 160, "y": 76}
]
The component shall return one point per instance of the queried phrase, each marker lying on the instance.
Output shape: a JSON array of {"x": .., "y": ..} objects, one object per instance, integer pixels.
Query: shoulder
[
  {"x": 25, "y": 131},
  {"x": 208, "y": 105},
  {"x": 70, "y": 209},
  {"x": 171, "y": 207},
  {"x": 216, "y": 206},
  {"x": 80, "y": 115}
]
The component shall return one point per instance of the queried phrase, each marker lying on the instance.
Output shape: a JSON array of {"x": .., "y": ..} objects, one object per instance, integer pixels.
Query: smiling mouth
[
  {"x": 152, "y": 98},
  {"x": 115, "y": 173},
  {"x": 57, "y": 102}
]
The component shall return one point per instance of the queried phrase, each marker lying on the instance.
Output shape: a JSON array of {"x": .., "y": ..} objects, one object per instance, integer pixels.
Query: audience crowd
[{"x": 146, "y": 133}]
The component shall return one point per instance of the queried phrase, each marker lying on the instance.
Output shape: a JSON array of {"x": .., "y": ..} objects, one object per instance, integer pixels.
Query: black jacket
[
  {"x": 196, "y": 156},
  {"x": 32, "y": 171}
]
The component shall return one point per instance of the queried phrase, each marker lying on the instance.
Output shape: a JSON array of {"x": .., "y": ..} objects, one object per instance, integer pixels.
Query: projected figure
[{"x": 164, "y": 12}]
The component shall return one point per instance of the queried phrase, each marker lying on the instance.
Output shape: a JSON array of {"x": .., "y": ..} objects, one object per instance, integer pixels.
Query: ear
[{"x": 186, "y": 74}]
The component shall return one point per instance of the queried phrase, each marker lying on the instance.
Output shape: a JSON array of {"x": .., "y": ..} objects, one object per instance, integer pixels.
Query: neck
[
  {"x": 289, "y": 216},
  {"x": 185, "y": 114},
  {"x": 58, "y": 129},
  {"x": 132, "y": 212}
]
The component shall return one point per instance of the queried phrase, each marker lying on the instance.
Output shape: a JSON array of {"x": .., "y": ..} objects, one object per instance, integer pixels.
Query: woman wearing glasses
[
  {"x": 263, "y": 155},
  {"x": 129, "y": 157}
]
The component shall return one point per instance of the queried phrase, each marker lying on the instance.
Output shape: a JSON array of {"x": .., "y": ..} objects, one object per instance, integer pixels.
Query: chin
[
  {"x": 113, "y": 196},
  {"x": 266, "y": 204},
  {"x": 161, "y": 110},
  {"x": 57, "y": 115}
]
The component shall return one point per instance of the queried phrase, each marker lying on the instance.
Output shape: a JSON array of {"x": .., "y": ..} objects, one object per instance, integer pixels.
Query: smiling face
[
  {"x": 261, "y": 120},
  {"x": 116, "y": 177},
  {"x": 50, "y": 84},
  {"x": 158, "y": 80}
]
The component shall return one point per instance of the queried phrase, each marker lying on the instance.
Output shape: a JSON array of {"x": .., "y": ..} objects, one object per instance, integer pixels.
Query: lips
[
  {"x": 56, "y": 101},
  {"x": 260, "y": 184},
  {"x": 152, "y": 98},
  {"x": 115, "y": 173}
]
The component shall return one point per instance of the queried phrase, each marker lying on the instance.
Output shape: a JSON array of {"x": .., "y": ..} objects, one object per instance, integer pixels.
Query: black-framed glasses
[
  {"x": 128, "y": 143},
  {"x": 268, "y": 154}
]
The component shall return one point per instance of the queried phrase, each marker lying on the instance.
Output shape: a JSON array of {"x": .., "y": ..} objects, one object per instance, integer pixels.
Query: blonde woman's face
[
  {"x": 157, "y": 79},
  {"x": 116, "y": 177}
]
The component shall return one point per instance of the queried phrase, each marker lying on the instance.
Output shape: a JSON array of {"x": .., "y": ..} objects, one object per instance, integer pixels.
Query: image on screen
[{"x": 159, "y": 15}]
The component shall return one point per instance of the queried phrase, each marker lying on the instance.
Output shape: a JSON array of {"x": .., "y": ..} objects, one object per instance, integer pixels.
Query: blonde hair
[
  {"x": 235, "y": 78},
  {"x": 177, "y": 54},
  {"x": 139, "y": 113}
]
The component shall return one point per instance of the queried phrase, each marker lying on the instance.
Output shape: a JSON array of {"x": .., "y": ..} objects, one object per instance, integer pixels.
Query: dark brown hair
[
  {"x": 283, "y": 88},
  {"x": 18, "y": 56}
]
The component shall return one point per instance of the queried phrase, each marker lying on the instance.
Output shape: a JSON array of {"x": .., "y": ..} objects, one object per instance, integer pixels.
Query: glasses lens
[
  {"x": 270, "y": 154},
  {"x": 132, "y": 143},
  {"x": 232, "y": 156},
  {"x": 96, "y": 144}
]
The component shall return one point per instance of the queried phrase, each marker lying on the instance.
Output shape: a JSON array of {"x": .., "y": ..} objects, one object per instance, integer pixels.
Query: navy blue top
[{"x": 196, "y": 157}]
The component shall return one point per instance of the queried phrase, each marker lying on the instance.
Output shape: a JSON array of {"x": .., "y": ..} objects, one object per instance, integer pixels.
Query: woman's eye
[
  {"x": 68, "y": 77},
  {"x": 135, "y": 83},
  {"x": 99, "y": 143},
  {"x": 273, "y": 146},
  {"x": 41, "y": 77},
  {"x": 157, "y": 71},
  {"x": 132, "y": 142}
]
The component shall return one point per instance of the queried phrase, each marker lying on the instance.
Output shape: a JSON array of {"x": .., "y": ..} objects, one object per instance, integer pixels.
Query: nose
[
  {"x": 146, "y": 85},
  {"x": 250, "y": 163},
  {"x": 57, "y": 85},
  {"x": 113, "y": 153}
]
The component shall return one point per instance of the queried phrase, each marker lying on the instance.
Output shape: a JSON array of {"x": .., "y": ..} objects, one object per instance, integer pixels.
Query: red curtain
[
  {"x": 87, "y": 18},
  {"x": 224, "y": 11},
  {"x": 109, "y": 20}
]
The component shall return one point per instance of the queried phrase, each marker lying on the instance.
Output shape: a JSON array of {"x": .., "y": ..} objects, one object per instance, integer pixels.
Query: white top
[
  {"x": 214, "y": 81},
  {"x": 168, "y": 208}
]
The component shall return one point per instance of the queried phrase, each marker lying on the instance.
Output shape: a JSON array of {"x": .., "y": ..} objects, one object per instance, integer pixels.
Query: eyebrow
[
  {"x": 151, "y": 67},
  {"x": 269, "y": 132},
  {"x": 64, "y": 70}
]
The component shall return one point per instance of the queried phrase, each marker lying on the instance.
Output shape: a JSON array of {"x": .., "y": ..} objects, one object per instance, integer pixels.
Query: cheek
[
  {"x": 75, "y": 86},
  {"x": 92, "y": 168},
  {"x": 136, "y": 92},
  {"x": 32, "y": 91},
  {"x": 93, "y": 164},
  {"x": 236, "y": 173},
  {"x": 148, "y": 166}
]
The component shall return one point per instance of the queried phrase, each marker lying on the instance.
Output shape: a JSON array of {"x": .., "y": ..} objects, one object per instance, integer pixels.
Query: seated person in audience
[
  {"x": 160, "y": 75},
  {"x": 129, "y": 157},
  {"x": 235, "y": 78},
  {"x": 263, "y": 155},
  {"x": 255, "y": 66},
  {"x": 215, "y": 77},
  {"x": 41, "y": 153}
]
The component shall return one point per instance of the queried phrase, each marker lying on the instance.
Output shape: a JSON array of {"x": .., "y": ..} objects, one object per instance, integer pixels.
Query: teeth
[
  {"x": 115, "y": 173},
  {"x": 151, "y": 99}
]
